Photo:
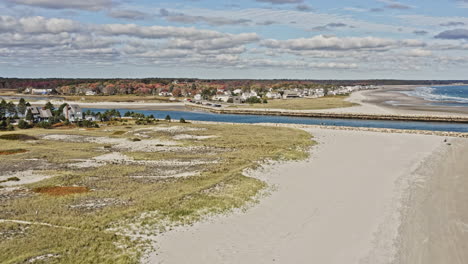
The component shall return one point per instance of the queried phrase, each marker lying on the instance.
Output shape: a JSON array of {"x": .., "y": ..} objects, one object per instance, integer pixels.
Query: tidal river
[{"x": 205, "y": 116}]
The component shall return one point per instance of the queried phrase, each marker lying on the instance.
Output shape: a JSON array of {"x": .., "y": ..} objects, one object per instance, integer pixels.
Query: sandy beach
[
  {"x": 342, "y": 205},
  {"x": 390, "y": 100}
]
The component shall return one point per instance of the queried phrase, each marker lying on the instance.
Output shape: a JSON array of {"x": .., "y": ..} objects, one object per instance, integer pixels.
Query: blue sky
[{"x": 267, "y": 39}]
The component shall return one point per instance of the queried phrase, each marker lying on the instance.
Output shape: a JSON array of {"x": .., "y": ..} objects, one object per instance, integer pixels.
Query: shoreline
[{"x": 352, "y": 219}]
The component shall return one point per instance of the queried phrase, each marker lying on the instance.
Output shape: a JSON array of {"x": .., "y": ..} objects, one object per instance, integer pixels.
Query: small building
[
  {"x": 90, "y": 93},
  {"x": 73, "y": 113}
]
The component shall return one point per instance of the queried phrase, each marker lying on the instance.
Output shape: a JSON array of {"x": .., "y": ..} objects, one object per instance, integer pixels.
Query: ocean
[{"x": 454, "y": 96}]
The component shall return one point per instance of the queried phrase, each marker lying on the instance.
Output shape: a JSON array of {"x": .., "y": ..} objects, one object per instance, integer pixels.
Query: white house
[
  {"x": 197, "y": 97},
  {"x": 41, "y": 91},
  {"x": 90, "y": 92},
  {"x": 221, "y": 97},
  {"x": 273, "y": 95}
]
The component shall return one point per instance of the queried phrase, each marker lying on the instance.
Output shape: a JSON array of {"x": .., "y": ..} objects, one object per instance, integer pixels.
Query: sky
[{"x": 235, "y": 39}]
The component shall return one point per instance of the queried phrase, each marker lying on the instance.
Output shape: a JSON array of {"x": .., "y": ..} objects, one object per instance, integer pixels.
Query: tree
[
  {"x": 3, "y": 109},
  {"x": 11, "y": 108},
  {"x": 29, "y": 115},
  {"x": 168, "y": 118},
  {"x": 182, "y": 120},
  {"x": 22, "y": 106},
  {"x": 49, "y": 106},
  {"x": 23, "y": 124}
]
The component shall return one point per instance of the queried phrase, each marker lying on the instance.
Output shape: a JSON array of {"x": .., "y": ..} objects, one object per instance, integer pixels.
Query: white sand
[{"x": 340, "y": 206}]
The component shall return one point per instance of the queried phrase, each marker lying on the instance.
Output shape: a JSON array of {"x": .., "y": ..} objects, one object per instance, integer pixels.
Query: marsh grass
[{"x": 96, "y": 222}]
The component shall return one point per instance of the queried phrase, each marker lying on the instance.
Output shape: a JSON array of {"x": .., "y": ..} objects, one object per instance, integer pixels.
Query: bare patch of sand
[{"x": 26, "y": 177}]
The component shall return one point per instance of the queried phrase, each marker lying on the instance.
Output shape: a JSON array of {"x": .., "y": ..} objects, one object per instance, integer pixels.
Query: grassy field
[
  {"x": 100, "y": 192},
  {"x": 119, "y": 98},
  {"x": 327, "y": 102}
]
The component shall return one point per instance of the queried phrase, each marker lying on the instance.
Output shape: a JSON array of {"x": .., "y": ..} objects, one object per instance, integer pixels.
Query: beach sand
[{"x": 342, "y": 205}]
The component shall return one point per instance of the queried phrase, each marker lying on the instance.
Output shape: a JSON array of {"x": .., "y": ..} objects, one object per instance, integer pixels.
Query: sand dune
[{"x": 340, "y": 206}]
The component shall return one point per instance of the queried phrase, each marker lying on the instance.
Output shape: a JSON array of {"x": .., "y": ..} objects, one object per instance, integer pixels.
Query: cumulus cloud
[
  {"x": 303, "y": 7},
  {"x": 420, "y": 32},
  {"x": 335, "y": 43},
  {"x": 38, "y": 25},
  {"x": 392, "y": 4},
  {"x": 89, "y": 5},
  {"x": 418, "y": 53},
  {"x": 281, "y": 1},
  {"x": 452, "y": 24},
  {"x": 329, "y": 26},
  {"x": 190, "y": 19},
  {"x": 129, "y": 14},
  {"x": 453, "y": 34}
]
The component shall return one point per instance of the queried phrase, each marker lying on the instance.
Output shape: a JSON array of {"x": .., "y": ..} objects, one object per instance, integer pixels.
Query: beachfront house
[{"x": 73, "y": 113}]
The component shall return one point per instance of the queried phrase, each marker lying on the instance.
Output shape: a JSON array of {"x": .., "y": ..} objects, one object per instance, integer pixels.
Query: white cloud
[{"x": 89, "y": 5}]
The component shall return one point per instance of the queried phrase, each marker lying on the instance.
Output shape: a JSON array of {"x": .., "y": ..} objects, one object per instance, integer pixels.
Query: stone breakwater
[
  {"x": 392, "y": 117},
  {"x": 369, "y": 129}
]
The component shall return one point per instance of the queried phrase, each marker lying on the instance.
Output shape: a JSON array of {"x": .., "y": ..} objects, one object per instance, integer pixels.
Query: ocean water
[
  {"x": 454, "y": 96},
  {"x": 206, "y": 116}
]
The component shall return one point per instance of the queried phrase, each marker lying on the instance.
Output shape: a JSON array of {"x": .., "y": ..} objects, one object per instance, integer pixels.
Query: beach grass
[
  {"x": 102, "y": 214},
  {"x": 327, "y": 102}
]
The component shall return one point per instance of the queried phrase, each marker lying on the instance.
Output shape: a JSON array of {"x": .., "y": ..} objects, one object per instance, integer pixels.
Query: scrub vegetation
[{"x": 96, "y": 195}]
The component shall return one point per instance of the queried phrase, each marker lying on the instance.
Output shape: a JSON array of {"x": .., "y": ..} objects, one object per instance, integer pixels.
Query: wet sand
[
  {"x": 435, "y": 226},
  {"x": 342, "y": 205},
  {"x": 392, "y": 99}
]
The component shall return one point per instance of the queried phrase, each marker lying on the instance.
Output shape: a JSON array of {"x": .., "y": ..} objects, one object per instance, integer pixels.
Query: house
[
  {"x": 39, "y": 113},
  {"x": 290, "y": 94},
  {"x": 273, "y": 95},
  {"x": 237, "y": 100},
  {"x": 197, "y": 97},
  {"x": 221, "y": 97},
  {"x": 89, "y": 92},
  {"x": 73, "y": 113},
  {"x": 41, "y": 91}
]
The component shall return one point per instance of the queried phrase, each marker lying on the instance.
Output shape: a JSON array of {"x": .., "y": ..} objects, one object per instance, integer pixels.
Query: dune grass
[
  {"x": 104, "y": 224},
  {"x": 326, "y": 102}
]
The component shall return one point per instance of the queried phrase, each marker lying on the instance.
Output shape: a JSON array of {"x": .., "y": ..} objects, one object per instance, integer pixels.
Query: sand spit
[
  {"x": 435, "y": 226},
  {"x": 339, "y": 206}
]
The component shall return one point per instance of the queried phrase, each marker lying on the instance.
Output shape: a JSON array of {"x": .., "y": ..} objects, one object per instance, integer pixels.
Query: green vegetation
[
  {"x": 17, "y": 137},
  {"x": 327, "y": 102},
  {"x": 95, "y": 214}
]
